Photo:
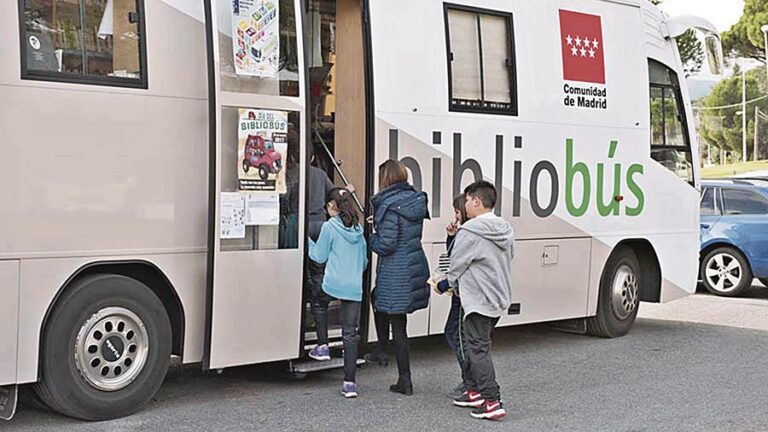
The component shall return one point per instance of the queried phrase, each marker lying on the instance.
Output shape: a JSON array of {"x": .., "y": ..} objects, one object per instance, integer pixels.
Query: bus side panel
[
  {"x": 41, "y": 280},
  {"x": 9, "y": 310}
]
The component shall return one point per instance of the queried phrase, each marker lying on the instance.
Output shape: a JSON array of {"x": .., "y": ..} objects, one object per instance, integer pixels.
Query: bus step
[
  {"x": 332, "y": 344},
  {"x": 314, "y": 365}
]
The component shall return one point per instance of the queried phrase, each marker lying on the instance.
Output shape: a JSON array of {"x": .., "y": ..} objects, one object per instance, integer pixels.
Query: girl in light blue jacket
[{"x": 342, "y": 248}]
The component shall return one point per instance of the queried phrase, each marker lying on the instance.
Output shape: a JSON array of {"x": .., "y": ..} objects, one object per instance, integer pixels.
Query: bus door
[
  {"x": 257, "y": 180},
  {"x": 337, "y": 106}
]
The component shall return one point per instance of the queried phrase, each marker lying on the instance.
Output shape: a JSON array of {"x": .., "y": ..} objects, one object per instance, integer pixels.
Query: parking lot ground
[
  {"x": 698, "y": 364},
  {"x": 749, "y": 310}
]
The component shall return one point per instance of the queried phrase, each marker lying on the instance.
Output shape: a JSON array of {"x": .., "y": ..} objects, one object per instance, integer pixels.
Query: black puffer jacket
[{"x": 402, "y": 271}]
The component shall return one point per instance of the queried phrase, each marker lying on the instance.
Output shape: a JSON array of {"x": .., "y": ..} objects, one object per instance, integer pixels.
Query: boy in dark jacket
[
  {"x": 453, "y": 327},
  {"x": 481, "y": 262}
]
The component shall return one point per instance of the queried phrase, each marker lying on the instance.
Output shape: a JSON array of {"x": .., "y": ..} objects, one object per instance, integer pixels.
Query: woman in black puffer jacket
[{"x": 402, "y": 270}]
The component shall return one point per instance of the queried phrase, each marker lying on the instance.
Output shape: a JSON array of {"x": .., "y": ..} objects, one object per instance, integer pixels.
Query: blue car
[{"x": 734, "y": 236}]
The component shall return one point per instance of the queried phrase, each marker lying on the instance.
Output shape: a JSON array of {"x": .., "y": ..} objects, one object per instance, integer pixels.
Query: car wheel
[
  {"x": 105, "y": 348},
  {"x": 725, "y": 272},
  {"x": 246, "y": 166},
  {"x": 263, "y": 172},
  {"x": 619, "y": 297}
]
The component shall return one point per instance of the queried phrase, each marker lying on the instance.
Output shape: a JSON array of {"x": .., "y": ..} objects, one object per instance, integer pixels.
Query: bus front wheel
[
  {"x": 619, "y": 297},
  {"x": 105, "y": 348}
]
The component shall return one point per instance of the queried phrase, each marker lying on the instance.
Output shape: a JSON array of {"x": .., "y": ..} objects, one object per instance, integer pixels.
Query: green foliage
[
  {"x": 723, "y": 127},
  {"x": 745, "y": 39},
  {"x": 691, "y": 52}
]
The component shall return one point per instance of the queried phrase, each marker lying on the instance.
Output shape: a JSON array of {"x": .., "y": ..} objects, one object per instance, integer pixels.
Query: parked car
[{"x": 734, "y": 236}]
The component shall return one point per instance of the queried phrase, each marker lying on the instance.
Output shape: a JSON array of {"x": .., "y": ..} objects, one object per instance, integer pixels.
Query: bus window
[
  {"x": 84, "y": 41},
  {"x": 480, "y": 61},
  {"x": 670, "y": 143},
  {"x": 270, "y": 162}
]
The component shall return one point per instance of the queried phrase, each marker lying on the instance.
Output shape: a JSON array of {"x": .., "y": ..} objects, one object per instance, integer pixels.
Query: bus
[{"x": 155, "y": 157}]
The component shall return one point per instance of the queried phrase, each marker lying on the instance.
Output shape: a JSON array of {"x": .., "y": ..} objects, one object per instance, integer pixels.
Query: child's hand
[
  {"x": 443, "y": 286},
  {"x": 452, "y": 228},
  {"x": 439, "y": 283}
]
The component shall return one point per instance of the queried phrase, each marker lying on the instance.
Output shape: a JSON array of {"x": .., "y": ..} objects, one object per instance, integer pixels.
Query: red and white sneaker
[
  {"x": 470, "y": 399},
  {"x": 490, "y": 410}
]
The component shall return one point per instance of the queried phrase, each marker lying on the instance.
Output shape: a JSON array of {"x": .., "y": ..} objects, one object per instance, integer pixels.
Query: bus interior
[{"x": 337, "y": 108}]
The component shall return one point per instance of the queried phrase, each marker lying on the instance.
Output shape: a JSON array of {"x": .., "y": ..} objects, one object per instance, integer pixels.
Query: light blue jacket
[{"x": 344, "y": 251}]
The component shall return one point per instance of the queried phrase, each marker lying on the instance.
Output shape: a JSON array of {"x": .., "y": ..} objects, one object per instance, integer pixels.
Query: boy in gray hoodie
[{"x": 480, "y": 269}]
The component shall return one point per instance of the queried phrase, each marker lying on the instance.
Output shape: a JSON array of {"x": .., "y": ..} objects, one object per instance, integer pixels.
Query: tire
[
  {"x": 246, "y": 166},
  {"x": 725, "y": 272},
  {"x": 112, "y": 319},
  {"x": 764, "y": 281},
  {"x": 619, "y": 296},
  {"x": 263, "y": 172}
]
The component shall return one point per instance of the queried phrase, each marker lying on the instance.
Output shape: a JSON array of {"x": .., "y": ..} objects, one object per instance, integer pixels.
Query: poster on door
[
  {"x": 262, "y": 150},
  {"x": 232, "y": 215},
  {"x": 256, "y": 37}
]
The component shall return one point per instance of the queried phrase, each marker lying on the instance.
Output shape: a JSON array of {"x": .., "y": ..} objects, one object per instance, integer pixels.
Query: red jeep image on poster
[{"x": 261, "y": 154}]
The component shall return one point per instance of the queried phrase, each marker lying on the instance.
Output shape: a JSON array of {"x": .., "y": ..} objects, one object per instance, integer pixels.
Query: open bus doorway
[{"x": 337, "y": 108}]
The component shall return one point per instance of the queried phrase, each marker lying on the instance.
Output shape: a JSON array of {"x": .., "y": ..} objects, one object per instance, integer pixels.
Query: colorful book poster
[
  {"x": 262, "y": 150},
  {"x": 256, "y": 37}
]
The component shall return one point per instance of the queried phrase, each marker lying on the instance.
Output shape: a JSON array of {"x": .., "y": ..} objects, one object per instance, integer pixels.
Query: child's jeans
[
  {"x": 453, "y": 332},
  {"x": 481, "y": 376},
  {"x": 350, "y": 319}
]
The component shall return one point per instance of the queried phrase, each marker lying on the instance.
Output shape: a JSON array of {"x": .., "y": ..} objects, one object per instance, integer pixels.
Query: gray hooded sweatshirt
[{"x": 481, "y": 262}]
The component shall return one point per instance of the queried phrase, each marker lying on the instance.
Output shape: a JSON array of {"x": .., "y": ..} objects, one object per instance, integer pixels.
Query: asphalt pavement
[{"x": 698, "y": 364}]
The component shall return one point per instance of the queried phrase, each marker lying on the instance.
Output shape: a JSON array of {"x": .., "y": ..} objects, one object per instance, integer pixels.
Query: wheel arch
[
  {"x": 650, "y": 287},
  {"x": 143, "y": 271},
  {"x": 710, "y": 246}
]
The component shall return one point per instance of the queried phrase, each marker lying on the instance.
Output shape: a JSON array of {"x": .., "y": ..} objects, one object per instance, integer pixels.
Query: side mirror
[{"x": 714, "y": 50}]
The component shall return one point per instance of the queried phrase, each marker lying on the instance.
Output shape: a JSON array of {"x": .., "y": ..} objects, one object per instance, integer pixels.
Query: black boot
[{"x": 403, "y": 386}]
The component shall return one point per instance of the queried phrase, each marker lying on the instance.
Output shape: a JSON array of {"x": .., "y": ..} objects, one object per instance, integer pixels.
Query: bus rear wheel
[
  {"x": 619, "y": 297},
  {"x": 106, "y": 348}
]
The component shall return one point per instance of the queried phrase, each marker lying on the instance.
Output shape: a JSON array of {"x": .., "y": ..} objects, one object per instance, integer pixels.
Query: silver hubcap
[
  {"x": 624, "y": 292},
  {"x": 723, "y": 272},
  {"x": 111, "y": 348}
]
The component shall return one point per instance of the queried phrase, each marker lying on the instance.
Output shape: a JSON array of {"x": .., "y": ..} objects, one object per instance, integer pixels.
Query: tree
[
  {"x": 691, "y": 53},
  {"x": 691, "y": 50},
  {"x": 745, "y": 39},
  {"x": 722, "y": 127}
]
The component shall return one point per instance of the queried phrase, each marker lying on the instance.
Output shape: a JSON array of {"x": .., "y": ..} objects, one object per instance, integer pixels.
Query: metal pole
[
  {"x": 765, "y": 33},
  {"x": 338, "y": 170},
  {"x": 744, "y": 115},
  {"x": 757, "y": 118}
]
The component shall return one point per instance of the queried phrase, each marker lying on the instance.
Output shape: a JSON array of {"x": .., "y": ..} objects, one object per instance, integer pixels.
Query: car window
[
  {"x": 708, "y": 203},
  {"x": 744, "y": 202}
]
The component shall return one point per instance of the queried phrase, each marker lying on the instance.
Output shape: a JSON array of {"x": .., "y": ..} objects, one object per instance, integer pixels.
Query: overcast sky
[{"x": 722, "y": 13}]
